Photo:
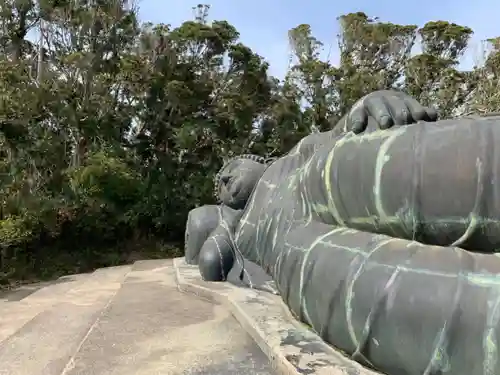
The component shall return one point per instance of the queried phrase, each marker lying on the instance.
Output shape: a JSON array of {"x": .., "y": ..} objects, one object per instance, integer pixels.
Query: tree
[
  {"x": 111, "y": 131},
  {"x": 485, "y": 97},
  {"x": 17, "y": 18},
  {"x": 53, "y": 123},
  {"x": 312, "y": 78},
  {"x": 432, "y": 76},
  {"x": 197, "y": 94},
  {"x": 373, "y": 56},
  {"x": 284, "y": 122}
]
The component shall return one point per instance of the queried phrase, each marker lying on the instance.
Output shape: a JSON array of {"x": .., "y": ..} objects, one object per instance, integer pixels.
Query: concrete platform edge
[{"x": 327, "y": 361}]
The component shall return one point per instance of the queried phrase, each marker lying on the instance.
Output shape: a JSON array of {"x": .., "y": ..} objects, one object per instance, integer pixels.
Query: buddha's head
[{"x": 236, "y": 180}]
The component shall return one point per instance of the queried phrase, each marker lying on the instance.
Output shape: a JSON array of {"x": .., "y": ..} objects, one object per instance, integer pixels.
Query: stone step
[
  {"x": 23, "y": 304},
  {"x": 43, "y": 290},
  {"x": 40, "y": 333},
  {"x": 152, "y": 328}
]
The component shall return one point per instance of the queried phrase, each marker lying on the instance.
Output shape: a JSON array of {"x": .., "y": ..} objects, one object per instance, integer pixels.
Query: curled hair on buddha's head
[{"x": 218, "y": 176}]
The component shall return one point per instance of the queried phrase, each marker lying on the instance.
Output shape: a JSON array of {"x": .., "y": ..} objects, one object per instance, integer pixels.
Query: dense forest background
[{"x": 111, "y": 130}]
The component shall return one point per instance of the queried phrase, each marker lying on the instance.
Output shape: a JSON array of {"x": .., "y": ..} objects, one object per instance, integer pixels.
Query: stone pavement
[
  {"x": 159, "y": 317},
  {"x": 122, "y": 321}
]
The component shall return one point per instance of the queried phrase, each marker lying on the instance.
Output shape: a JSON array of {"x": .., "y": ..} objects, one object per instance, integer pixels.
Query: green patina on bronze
[{"x": 383, "y": 242}]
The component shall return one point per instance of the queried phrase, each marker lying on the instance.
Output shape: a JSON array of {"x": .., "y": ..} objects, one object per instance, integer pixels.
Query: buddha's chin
[
  {"x": 238, "y": 200},
  {"x": 237, "y": 204},
  {"x": 232, "y": 201}
]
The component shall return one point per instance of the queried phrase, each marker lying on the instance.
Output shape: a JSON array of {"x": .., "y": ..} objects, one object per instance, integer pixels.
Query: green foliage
[
  {"x": 112, "y": 135},
  {"x": 14, "y": 231},
  {"x": 105, "y": 179}
]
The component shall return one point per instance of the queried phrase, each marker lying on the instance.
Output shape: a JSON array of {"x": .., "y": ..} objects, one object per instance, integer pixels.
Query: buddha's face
[{"x": 237, "y": 181}]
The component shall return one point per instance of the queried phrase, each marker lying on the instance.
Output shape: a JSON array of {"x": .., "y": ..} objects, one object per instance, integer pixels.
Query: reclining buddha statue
[{"x": 380, "y": 234}]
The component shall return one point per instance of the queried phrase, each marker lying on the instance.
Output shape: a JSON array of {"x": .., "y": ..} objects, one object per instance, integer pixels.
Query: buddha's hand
[{"x": 384, "y": 109}]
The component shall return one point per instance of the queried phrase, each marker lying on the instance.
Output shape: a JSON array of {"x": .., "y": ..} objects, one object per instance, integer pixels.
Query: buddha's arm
[
  {"x": 382, "y": 110},
  {"x": 217, "y": 253},
  {"x": 433, "y": 183},
  {"x": 201, "y": 224}
]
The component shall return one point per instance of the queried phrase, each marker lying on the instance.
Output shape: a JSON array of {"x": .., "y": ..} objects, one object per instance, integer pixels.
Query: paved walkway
[{"x": 121, "y": 321}]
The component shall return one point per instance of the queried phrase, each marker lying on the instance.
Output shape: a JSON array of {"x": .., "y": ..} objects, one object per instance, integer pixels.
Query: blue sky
[{"x": 264, "y": 24}]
